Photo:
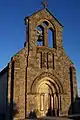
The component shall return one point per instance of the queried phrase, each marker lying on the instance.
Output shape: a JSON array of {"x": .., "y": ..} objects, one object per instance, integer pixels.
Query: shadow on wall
[
  {"x": 13, "y": 111},
  {"x": 74, "y": 110},
  {"x": 52, "y": 112},
  {"x": 75, "y": 107}
]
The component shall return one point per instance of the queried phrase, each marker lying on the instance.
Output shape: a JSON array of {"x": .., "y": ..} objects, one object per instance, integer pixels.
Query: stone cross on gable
[{"x": 45, "y": 3}]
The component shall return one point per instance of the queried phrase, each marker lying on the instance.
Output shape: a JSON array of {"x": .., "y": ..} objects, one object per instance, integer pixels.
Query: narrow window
[
  {"x": 53, "y": 61},
  {"x": 41, "y": 60},
  {"x": 50, "y": 60},
  {"x": 40, "y": 36},
  {"x": 50, "y": 38},
  {"x": 47, "y": 61}
]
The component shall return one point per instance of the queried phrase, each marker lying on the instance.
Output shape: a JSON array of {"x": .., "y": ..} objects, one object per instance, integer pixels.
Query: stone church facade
[{"x": 40, "y": 76}]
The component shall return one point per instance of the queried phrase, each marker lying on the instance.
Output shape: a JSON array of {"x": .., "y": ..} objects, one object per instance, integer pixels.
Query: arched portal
[{"x": 48, "y": 96}]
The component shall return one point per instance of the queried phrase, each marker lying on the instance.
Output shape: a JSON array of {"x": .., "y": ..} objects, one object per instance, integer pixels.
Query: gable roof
[{"x": 48, "y": 12}]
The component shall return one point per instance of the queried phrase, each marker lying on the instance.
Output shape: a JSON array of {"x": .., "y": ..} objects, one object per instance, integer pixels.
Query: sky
[{"x": 12, "y": 27}]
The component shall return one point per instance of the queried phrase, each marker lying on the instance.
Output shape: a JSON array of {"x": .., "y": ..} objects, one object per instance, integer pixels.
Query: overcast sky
[{"x": 12, "y": 28}]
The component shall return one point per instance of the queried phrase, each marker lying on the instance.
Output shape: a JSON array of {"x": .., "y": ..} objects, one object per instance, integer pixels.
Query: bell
[{"x": 40, "y": 38}]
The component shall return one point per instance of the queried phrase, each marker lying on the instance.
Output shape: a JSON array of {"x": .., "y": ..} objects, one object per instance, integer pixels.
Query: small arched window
[
  {"x": 51, "y": 38},
  {"x": 40, "y": 36},
  {"x": 45, "y": 23}
]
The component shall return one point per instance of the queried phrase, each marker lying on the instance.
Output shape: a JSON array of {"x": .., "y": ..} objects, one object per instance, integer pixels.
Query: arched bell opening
[
  {"x": 40, "y": 36},
  {"x": 51, "y": 38},
  {"x": 46, "y": 33}
]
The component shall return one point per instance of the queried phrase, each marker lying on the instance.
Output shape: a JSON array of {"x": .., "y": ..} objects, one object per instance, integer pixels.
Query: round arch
[
  {"x": 49, "y": 79},
  {"x": 50, "y": 25},
  {"x": 50, "y": 31},
  {"x": 48, "y": 83}
]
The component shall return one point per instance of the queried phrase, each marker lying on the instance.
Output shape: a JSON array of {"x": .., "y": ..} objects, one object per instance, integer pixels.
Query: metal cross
[{"x": 45, "y": 3}]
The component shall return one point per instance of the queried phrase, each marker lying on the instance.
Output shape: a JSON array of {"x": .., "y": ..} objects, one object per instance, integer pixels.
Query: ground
[{"x": 53, "y": 118}]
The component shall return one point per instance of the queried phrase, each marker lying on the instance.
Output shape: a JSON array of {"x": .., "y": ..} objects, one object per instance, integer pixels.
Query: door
[{"x": 48, "y": 99}]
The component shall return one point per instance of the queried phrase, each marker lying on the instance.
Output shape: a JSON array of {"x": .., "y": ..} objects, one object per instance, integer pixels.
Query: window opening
[
  {"x": 45, "y": 23},
  {"x": 50, "y": 38},
  {"x": 40, "y": 35}
]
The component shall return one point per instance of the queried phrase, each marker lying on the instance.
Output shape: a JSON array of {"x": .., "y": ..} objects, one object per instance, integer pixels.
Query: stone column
[{"x": 46, "y": 37}]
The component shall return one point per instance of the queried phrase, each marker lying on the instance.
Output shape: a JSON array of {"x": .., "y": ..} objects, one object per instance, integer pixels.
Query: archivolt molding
[
  {"x": 49, "y": 26},
  {"x": 48, "y": 78},
  {"x": 48, "y": 83}
]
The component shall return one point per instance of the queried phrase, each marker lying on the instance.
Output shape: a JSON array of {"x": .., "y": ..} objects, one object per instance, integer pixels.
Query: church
[{"x": 40, "y": 76}]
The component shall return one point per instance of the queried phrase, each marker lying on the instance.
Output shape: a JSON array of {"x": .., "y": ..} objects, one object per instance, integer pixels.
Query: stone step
[{"x": 51, "y": 118}]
